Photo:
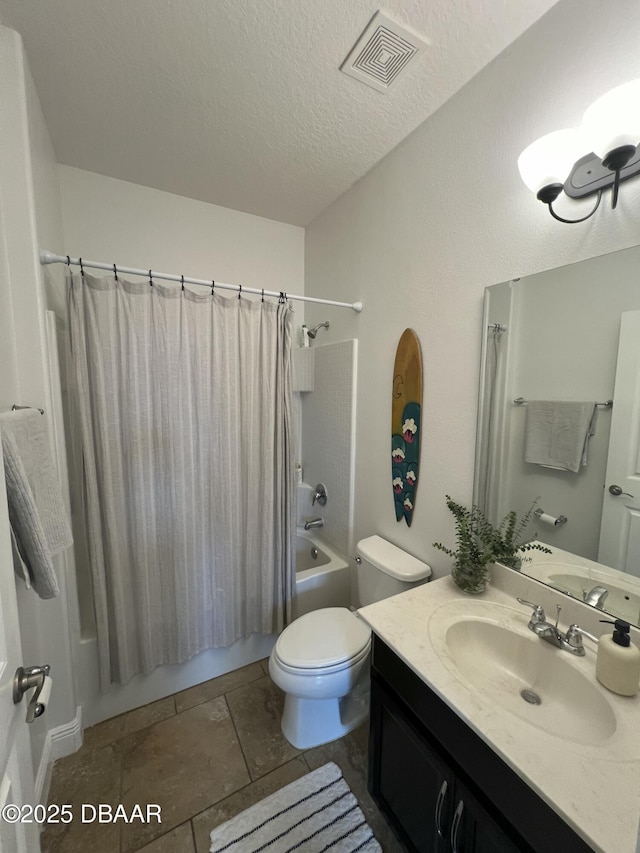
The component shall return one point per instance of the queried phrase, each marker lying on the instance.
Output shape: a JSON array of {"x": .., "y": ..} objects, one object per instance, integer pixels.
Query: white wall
[
  {"x": 444, "y": 215},
  {"x": 115, "y": 221},
  {"x": 30, "y": 209}
]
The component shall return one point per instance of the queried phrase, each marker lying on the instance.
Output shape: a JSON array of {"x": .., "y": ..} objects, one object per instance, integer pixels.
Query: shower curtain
[
  {"x": 489, "y": 456},
  {"x": 183, "y": 402}
]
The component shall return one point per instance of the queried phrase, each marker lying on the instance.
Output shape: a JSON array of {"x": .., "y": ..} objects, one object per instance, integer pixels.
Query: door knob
[
  {"x": 25, "y": 679},
  {"x": 616, "y": 491}
]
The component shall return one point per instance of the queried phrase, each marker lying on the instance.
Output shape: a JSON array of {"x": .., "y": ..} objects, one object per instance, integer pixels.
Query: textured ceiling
[{"x": 240, "y": 102}]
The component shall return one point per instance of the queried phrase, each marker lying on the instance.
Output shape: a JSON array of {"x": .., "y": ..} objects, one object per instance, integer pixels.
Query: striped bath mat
[{"x": 315, "y": 813}]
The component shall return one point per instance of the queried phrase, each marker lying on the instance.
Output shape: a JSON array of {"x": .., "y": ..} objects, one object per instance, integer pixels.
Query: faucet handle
[
  {"x": 574, "y": 637},
  {"x": 538, "y": 614},
  {"x": 319, "y": 495}
]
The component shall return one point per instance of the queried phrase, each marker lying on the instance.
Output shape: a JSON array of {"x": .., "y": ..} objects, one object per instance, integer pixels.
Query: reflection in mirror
[{"x": 570, "y": 335}]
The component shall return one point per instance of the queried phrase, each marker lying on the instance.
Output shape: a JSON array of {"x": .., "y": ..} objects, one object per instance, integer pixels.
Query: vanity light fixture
[{"x": 610, "y": 131}]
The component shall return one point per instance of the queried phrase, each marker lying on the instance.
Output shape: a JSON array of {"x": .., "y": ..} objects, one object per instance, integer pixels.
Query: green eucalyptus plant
[{"x": 480, "y": 542}]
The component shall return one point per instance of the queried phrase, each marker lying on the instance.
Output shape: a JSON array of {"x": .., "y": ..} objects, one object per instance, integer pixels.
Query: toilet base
[{"x": 312, "y": 722}]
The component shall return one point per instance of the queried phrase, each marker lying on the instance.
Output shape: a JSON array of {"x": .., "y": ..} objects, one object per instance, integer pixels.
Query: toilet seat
[
  {"x": 317, "y": 672},
  {"x": 322, "y": 642}
]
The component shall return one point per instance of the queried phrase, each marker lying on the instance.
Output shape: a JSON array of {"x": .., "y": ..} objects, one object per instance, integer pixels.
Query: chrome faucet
[
  {"x": 313, "y": 523},
  {"x": 596, "y": 597},
  {"x": 570, "y": 642}
]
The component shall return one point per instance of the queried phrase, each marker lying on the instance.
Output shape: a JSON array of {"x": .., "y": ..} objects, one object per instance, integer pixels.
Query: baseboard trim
[{"x": 60, "y": 741}]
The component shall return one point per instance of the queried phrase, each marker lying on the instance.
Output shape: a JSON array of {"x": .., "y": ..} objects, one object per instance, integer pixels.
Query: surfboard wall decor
[{"x": 406, "y": 405}]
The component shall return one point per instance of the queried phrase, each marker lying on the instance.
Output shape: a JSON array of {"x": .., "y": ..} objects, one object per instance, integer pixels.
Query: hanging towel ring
[
  {"x": 115, "y": 272},
  {"x": 240, "y": 292},
  {"x": 182, "y": 281},
  {"x": 150, "y": 279},
  {"x": 81, "y": 268}
]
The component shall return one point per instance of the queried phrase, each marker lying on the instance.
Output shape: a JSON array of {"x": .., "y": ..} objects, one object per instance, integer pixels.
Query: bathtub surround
[
  {"x": 184, "y": 405},
  {"x": 329, "y": 439}
]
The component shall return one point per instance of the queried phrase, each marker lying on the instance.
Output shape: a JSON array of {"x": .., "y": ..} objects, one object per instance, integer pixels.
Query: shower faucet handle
[{"x": 320, "y": 495}]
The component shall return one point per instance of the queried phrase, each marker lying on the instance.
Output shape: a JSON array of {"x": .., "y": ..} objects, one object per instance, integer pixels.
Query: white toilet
[{"x": 321, "y": 660}]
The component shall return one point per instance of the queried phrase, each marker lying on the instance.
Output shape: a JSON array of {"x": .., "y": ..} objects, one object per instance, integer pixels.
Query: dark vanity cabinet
[{"x": 442, "y": 789}]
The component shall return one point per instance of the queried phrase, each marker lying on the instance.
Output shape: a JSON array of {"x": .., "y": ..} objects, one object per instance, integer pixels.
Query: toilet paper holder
[
  {"x": 555, "y": 521},
  {"x": 26, "y": 678}
]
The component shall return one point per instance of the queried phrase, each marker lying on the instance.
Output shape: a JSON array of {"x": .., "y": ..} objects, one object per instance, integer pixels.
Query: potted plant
[{"x": 480, "y": 542}]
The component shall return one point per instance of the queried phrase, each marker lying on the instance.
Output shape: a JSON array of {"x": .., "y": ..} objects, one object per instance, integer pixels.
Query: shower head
[{"x": 313, "y": 332}]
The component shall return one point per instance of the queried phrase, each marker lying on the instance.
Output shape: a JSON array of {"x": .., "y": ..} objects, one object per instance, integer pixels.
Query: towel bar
[
  {"x": 16, "y": 407},
  {"x": 520, "y": 401}
]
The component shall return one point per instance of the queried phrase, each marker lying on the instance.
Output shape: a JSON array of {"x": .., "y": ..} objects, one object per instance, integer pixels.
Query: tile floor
[{"x": 204, "y": 755}]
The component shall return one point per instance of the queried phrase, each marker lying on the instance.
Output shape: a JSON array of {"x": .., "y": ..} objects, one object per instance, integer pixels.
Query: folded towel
[
  {"x": 557, "y": 433},
  {"x": 28, "y": 428},
  {"x": 37, "y": 514}
]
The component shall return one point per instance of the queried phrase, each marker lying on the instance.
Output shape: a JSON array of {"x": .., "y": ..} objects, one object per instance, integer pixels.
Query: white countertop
[{"x": 595, "y": 788}]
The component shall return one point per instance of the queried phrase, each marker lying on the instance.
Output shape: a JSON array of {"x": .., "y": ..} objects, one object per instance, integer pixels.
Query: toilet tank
[{"x": 385, "y": 570}]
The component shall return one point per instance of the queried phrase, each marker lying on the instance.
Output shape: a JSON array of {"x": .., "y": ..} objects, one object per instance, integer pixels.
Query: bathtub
[{"x": 322, "y": 575}]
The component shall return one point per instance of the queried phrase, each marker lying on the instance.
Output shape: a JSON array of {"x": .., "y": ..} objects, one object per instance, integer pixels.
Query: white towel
[
  {"x": 28, "y": 429},
  {"x": 36, "y": 508},
  {"x": 557, "y": 433}
]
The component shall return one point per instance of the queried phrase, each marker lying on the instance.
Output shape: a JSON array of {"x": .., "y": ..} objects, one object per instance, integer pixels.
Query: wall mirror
[{"x": 569, "y": 334}]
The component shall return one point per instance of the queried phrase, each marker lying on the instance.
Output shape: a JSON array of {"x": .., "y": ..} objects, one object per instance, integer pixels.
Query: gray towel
[
  {"x": 557, "y": 433},
  {"x": 37, "y": 513}
]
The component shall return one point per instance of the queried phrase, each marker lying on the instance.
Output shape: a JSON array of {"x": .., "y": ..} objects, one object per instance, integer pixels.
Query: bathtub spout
[{"x": 314, "y": 522}]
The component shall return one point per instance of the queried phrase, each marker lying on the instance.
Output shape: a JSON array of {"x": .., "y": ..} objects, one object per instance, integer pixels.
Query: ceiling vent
[{"x": 382, "y": 53}]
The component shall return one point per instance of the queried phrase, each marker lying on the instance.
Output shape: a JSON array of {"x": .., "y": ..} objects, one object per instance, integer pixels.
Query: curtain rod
[{"x": 52, "y": 258}]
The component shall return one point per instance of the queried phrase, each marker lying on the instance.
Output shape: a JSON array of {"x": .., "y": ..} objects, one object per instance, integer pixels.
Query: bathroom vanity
[
  {"x": 459, "y": 765},
  {"x": 439, "y": 784}
]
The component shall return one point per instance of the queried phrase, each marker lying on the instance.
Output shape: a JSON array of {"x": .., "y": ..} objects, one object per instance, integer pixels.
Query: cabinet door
[
  {"x": 473, "y": 829},
  {"x": 409, "y": 782}
]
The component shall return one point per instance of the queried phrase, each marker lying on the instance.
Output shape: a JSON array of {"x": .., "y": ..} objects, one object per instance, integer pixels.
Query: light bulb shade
[
  {"x": 613, "y": 120},
  {"x": 549, "y": 159}
]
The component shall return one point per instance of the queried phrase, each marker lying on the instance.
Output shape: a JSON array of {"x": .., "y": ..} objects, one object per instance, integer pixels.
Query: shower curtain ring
[
  {"x": 240, "y": 292},
  {"x": 213, "y": 284},
  {"x": 68, "y": 261},
  {"x": 182, "y": 281},
  {"x": 115, "y": 272},
  {"x": 263, "y": 294},
  {"x": 81, "y": 268},
  {"x": 150, "y": 279}
]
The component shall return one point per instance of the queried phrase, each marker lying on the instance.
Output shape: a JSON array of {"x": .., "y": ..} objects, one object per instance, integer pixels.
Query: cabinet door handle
[
  {"x": 455, "y": 826},
  {"x": 439, "y": 802}
]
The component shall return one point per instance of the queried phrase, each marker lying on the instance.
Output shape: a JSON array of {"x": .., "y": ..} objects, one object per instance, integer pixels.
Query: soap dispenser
[{"x": 618, "y": 662}]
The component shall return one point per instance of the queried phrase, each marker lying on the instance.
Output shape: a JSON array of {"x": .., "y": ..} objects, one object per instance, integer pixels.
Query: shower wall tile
[{"x": 328, "y": 438}]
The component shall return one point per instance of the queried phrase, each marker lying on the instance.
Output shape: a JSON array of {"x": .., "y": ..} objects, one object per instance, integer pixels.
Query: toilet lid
[{"x": 322, "y": 638}]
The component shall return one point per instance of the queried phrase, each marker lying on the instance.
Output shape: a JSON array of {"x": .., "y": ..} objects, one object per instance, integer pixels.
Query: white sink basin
[{"x": 515, "y": 670}]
